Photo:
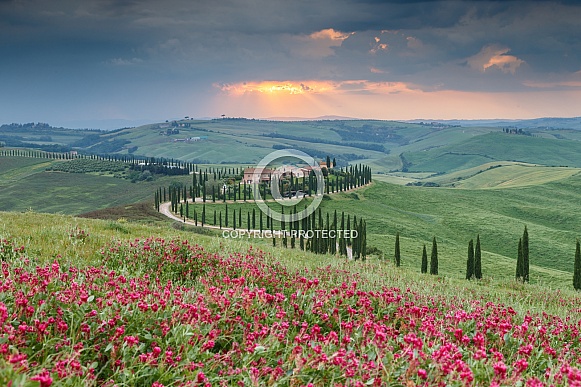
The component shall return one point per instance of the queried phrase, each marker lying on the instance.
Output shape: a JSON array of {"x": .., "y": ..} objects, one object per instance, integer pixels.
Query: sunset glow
[
  {"x": 314, "y": 87},
  {"x": 141, "y": 60},
  {"x": 274, "y": 87}
]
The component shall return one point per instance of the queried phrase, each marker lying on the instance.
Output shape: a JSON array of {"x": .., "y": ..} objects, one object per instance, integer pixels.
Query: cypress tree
[
  {"x": 424, "y": 268},
  {"x": 342, "y": 242},
  {"x": 434, "y": 258},
  {"x": 525, "y": 255},
  {"x": 397, "y": 252},
  {"x": 577, "y": 268},
  {"x": 470, "y": 261},
  {"x": 478, "y": 259},
  {"x": 364, "y": 242},
  {"x": 519, "y": 262},
  {"x": 349, "y": 229},
  {"x": 282, "y": 222},
  {"x": 226, "y": 216},
  {"x": 334, "y": 239}
]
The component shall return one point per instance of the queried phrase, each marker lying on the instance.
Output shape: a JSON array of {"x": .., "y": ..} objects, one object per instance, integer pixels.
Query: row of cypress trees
[
  {"x": 138, "y": 162},
  {"x": 424, "y": 266},
  {"x": 474, "y": 262},
  {"x": 330, "y": 234}
]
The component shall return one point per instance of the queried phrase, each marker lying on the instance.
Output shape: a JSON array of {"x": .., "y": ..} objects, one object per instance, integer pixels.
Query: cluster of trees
[
  {"x": 88, "y": 166},
  {"x": 160, "y": 169},
  {"x": 474, "y": 262},
  {"x": 513, "y": 130},
  {"x": 224, "y": 184},
  {"x": 433, "y": 259}
]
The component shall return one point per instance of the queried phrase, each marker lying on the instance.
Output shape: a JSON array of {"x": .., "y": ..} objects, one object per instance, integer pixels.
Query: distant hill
[
  {"x": 536, "y": 123},
  {"x": 442, "y": 147},
  {"x": 320, "y": 118},
  {"x": 495, "y": 146}
]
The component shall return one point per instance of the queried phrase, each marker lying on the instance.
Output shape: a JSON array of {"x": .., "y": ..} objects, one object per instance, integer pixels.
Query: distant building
[{"x": 252, "y": 175}]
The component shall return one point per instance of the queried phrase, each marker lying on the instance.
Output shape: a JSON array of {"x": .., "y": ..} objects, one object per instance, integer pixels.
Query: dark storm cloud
[{"x": 73, "y": 48}]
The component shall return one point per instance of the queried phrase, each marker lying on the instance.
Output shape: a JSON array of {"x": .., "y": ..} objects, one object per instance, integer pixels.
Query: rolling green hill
[
  {"x": 25, "y": 183},
  {"x": 550, "y": 211},
  {"x": 492, "y": 183},
  {"x": 496, "y": 146},
  {"x": 509, "y": 175}
]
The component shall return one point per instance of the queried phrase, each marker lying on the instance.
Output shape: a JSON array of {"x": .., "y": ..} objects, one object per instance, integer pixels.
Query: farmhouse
[{"x": 252, "y": 175}]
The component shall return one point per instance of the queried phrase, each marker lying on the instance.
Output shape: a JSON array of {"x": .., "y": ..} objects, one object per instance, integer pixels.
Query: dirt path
[{"x": 165, "y": 209}]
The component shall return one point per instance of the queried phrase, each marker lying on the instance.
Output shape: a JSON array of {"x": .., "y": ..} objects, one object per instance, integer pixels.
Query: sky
[{"x": 107, "y": 63}]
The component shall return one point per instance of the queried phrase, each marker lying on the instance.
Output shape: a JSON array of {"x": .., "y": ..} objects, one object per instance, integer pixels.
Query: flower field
[{"x": 161, "y": 312}]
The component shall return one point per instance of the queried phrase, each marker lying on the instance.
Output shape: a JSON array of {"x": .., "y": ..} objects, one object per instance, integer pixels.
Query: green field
[
  {"x": 26, "y": 185},
  {"x": 496, "y": 147},
  {"x": 494, "y": 202},
  {"x": 454, "y": 216},
  {"x": 490, "y": 183}
]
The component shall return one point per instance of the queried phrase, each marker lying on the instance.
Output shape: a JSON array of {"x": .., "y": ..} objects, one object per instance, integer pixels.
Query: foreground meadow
[{"x": 86, "y": 302}]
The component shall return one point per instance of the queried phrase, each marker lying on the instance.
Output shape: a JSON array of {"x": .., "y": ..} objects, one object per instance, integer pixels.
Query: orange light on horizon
[
  {"x": 315, "y": 87},
  {"x": 276, "y": 87}
]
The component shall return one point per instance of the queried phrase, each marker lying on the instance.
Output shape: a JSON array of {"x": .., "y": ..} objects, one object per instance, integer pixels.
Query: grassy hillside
[
  {"x": 26, "y": 184},
  {"x": 429, "y": 147},
  {"x": 98, "y": 302},
  {"x": 496, "y": 147},
  {"x": 516, "y": 175},
  {"x": 549, "y": 210}
]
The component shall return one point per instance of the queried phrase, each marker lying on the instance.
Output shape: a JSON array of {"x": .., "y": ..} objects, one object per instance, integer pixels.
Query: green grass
[
  {"x": 511, "y": 176},
  {"x": 455, "y": 216},
  {"x": 25, "y": 184},
  {"x": 48, "y": 236},
  {"x": 496, "y": 147},
  {"x": 543, "y": 198}
]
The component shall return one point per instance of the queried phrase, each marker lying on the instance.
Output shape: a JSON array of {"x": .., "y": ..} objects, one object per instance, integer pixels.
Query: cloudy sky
[{"x": 100, "y": 62}]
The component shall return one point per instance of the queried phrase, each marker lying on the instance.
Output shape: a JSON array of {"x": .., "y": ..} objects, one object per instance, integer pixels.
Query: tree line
[
  {"x": 227, "y": 184},
  {"x": 474, "y": 260}
]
